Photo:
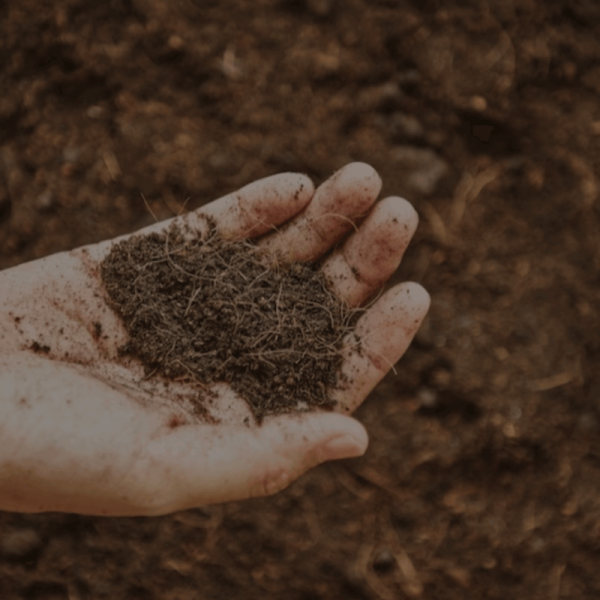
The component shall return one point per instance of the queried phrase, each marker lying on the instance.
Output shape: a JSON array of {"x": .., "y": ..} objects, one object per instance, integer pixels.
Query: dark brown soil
[
  {"x": 205, "y": 310},
  {"x": 482, "y": 479}
]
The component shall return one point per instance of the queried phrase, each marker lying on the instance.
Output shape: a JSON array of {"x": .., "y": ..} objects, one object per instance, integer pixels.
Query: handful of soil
[{"x": 209, "y": 310}]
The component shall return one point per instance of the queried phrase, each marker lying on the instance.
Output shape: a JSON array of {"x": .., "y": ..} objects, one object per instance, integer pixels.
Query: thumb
[
  {"x": 206, "y": 464},
  {"x": 290, "y": 446}
]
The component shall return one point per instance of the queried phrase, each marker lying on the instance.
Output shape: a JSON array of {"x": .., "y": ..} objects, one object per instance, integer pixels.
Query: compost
[{"x": 207, "y": 310}]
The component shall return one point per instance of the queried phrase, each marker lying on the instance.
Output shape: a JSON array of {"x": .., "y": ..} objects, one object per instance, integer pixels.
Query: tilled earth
[{"x": 482, "y": 479}]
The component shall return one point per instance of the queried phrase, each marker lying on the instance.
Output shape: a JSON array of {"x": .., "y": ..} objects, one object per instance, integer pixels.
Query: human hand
[{"x": 82, "y": 430}]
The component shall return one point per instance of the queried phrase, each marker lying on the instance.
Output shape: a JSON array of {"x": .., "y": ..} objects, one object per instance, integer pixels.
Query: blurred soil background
[{"x": 482, "y": 479}]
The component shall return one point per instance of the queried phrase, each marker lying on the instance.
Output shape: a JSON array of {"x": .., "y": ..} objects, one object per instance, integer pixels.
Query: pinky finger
[{"x": 381, "y": 337}]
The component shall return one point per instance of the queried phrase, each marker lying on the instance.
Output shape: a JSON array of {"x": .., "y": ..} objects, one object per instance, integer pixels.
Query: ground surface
[{"x": 483, "y": 475}]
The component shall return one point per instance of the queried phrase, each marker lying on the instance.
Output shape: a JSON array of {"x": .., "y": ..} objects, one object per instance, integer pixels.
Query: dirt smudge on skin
[{"x": 39, "y": 348}]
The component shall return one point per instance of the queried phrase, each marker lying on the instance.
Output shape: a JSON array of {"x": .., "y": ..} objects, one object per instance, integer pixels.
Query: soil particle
[
  {"x": 40, "y": 348},
  {"x": 176, "y": 421},
  {"x": 202, "y": 311},
  {"x": 97, "y": 330}
]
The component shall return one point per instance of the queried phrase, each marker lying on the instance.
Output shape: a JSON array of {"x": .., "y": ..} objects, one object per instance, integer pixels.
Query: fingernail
[{"x": 342, "y": 446}]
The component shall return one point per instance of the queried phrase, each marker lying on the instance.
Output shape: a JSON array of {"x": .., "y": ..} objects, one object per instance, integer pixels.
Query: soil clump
[{"x": 207, "y": 310}]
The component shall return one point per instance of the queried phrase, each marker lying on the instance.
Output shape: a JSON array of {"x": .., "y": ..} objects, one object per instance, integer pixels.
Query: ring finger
[{"x": 371, "y": 255}]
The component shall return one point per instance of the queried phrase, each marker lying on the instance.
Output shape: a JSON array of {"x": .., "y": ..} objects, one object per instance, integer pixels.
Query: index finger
[{"x": 249, "y": 212}]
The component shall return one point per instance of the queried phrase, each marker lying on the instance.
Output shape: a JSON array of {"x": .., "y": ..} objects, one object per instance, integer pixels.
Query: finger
[
  {"x": 335, "y": 206},
  {"x": 258, "y": 207},
  {"x": 380, "y": 338},
  {"x": 202, "y": 466},
  {"x": 249, "y": 212},
  {"x": 371, "y": 255}
]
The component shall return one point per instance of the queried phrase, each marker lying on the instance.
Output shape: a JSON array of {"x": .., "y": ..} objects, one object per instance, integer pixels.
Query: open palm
[{"x": 83, "y": 430}]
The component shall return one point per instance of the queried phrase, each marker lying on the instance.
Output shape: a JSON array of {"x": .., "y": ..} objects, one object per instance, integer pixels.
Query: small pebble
[
  {"x": 45, "y": 200},
  {"x": 428, "y": 397},
  {"x": 176, "y": 42},
  {"x": 384, "y": 561},
  {"x": 406, "y": 125},
  {"x": 95, "y": 112},
  {"x": 425, "y": 167},
  {"x": 376, "y": 97},
  {"x": 71, "y": 155}
]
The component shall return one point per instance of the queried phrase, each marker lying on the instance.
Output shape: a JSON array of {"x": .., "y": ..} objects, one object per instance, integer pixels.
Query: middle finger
[
  {"x": 337, "y": 203},
  {"x": 370, "y": 256}
]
